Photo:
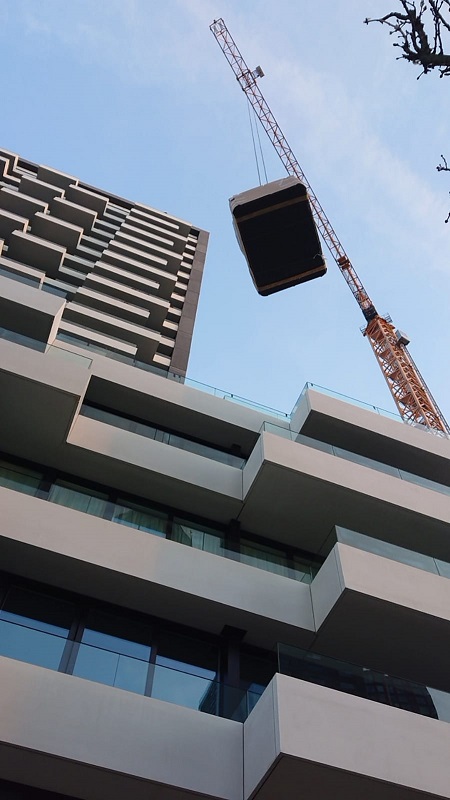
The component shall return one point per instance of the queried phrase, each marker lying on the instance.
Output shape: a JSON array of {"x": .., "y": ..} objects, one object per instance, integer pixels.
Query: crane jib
[{"x": 408, "y": 389}]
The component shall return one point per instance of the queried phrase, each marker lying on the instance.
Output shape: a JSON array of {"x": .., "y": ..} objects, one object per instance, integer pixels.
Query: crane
[{"x": 411, "y": 395}]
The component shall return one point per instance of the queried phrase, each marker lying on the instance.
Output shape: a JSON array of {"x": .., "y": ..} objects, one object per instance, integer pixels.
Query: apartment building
[
  {"x": 127, "y": 276},
  {"x": 201, "y": 597}
]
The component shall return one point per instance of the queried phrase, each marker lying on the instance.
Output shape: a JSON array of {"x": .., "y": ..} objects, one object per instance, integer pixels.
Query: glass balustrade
[
  {"x": 387, "y": 550},
  {"x": 356, "y": 458},
  {"x": 156, "y": 522},
  {"x": 124, "y": 670},
  {"x": 158, "y": 435},
  {"x": 364, "y": 682},
  {"x": 347, "y": 399}
]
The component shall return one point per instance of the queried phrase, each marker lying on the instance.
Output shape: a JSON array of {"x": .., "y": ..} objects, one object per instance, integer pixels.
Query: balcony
[
  {"x": 144, "y": 230},
  {"x": 56, "y": 230},
  {"x": 23, "y": 308},
  {"x": 337, "y": 745},
  {"x": 31, "y": 641},
  {"x": 128, "y": 561},
  {"x": 62, "y": 731},
  {"x": 33, "y": 187},
  {"x": 46, "y": 391},
  {"x": 83, "y": 197},
  {"x": 11, "y": 222},
  {"x": 291, "y": 486},
  {"x": 76, "y": 214},
  {"x": 370, "y": 594},
  {"x": 36, "y": 252},
  {"x": 21, "y": 204},
  {"x": 370, "y": 431},
  {"x": 156, "y": 305},
  {"x": 145, "y": 339}
]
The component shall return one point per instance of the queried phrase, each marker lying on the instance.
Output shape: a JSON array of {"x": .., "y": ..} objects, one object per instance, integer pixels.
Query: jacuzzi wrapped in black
[{"x": 276, "y": 231}]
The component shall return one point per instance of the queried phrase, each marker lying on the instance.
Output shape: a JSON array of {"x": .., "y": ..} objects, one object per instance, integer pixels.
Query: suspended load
[{"x": 276, "y": 232}]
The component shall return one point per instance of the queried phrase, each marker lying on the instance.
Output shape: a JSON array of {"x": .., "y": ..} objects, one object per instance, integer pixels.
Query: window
[
  {"x": 114, "y": 650},
  {"x": 77, "y": 497},
  {"x": 19, "y": 478},
  {"x": 34, "y": 627},
  {"x": 263, "y": 557},
  {"x": 185, "y": 671},
  {"x": 140, "y": 517},
  {"x": 200, "y": 538}
]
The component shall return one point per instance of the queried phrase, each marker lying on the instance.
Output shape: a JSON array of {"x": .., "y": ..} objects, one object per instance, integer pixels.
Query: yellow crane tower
[{"x": 409, "y": 390}]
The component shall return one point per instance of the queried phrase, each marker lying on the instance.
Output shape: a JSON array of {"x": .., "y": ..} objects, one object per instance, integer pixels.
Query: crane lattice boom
[{"x": 410, "y": 392}]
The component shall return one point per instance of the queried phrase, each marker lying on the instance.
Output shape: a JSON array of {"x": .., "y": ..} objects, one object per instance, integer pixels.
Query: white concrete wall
[
  {"x": 171, "y": 463},
  {"x": 118, "y": 564},
  {"x": 350, "y": 569},
  {"x": 81, "y": 728}
]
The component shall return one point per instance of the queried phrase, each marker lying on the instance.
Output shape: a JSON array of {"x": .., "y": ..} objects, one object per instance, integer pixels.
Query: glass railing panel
[
  {"x": 140, "y": 518},
  {"x": 278, "y": 430},
  {"x": 386, "y": 550},
  {"x": 25, "y": 341},
  {"x": 443, "y": 568},
  {"x": 73, "y": 496},
  {"x": 31, "y": 645},
  {"x": 20, "y": 277},
  {"x": 21, "y": 480},
  {"x": 364, "y": 461},
  {"x": 185, "y": 689},
  {"x": 200, "y": 539},
  {"x": 338, "y": 396},
  {"x": 304, "y": 571},
  {"x": 425, "y": 482},
  {"x": 364, "y": 682},
  {"x": 204, "y": 450},
  {"x": 171, "y": 439},
  {"x": 356, "y": 458},
  {"x": 315, "y": 443},
  {"x": 204, "y": 387},
  {"x": 54, "y": 351},
  {"x": 127, "y": 672},
  {"x": 266, "y": 558},
  {"x": 202, "y": 694},
  {"x": 114, "y": 669}
]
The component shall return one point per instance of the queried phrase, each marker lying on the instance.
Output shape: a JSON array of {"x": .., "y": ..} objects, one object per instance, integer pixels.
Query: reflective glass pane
[
  {"x": 181, "y": 688},
  {"x": 114, "y": 669},
  {"x": 119, "y": 634},
  {"x": 256, "y": 555},
  {"x": 198, "y": 537},
  {"x": 18, "y": 478},
  {"x": 39, "y": 611},
  {"x": 139, "y": 517},
  {"x": 28, "y": 644},
  {"x": 187, "y": 654},
  {"x": 77, "y": 497},
  {"x": 443, "y": 568},
  {"x": 256, "y": 672},
  {"x": 303, "y": 571}
]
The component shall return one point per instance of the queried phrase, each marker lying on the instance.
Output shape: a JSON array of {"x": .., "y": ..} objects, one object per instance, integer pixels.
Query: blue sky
[{"x": 136, "y": 97}]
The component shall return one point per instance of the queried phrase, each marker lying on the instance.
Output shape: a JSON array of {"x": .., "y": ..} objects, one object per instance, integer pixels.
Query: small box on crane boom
[{"x": 276, "y": 231}]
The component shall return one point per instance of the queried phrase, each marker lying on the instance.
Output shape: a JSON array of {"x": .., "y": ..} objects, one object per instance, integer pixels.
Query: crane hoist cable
[
  {"x": 253, "y": 127},
  {"x": 410, "y": 393}
]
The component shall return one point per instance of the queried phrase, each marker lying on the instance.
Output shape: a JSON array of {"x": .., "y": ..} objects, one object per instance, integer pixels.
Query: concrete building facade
[
  {"x": 130, "y": 275},
  {"x": 200, "y": 597}
]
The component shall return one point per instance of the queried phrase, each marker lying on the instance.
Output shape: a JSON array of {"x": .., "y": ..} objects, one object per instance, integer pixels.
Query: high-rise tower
[
  {"x": 129, "y": 275},
  {"x": 200, "y": 598}
]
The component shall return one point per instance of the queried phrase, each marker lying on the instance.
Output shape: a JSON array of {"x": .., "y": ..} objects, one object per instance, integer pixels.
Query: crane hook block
[{"x": 276, "y": 232}]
